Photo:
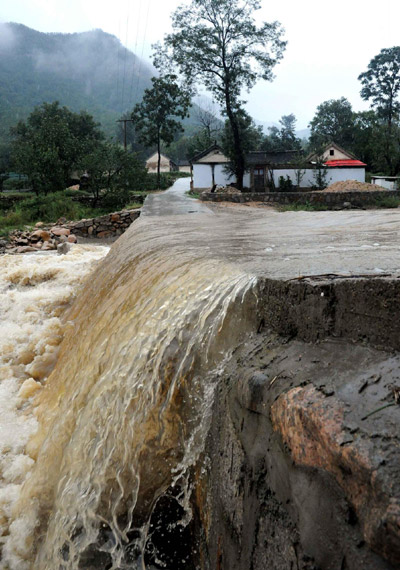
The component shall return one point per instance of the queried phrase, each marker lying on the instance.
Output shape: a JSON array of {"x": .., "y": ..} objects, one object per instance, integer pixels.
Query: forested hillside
[{"x": 88, "y": 71}]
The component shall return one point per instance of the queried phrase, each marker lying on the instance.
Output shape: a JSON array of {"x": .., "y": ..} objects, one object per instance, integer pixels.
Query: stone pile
[
  {"x": 42, "y": 238},
  {"x": 227, "y": 190}
]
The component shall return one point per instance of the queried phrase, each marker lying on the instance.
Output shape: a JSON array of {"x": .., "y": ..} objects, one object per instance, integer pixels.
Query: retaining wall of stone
[
  {"x": 106, "y": 226},
  {"x": 328, "y": 199}
]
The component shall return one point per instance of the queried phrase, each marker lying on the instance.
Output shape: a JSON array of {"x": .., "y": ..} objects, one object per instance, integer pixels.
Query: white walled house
[
  {"x": 166, "y": 164},
  {"x": 208, "y": 168}
]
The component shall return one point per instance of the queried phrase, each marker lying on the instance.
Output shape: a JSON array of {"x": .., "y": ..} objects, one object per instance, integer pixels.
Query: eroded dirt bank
[{"x": 294, "y": 475}]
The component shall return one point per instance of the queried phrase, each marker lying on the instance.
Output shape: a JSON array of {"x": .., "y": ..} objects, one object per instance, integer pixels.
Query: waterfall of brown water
[{"x": 125, "y": 411}]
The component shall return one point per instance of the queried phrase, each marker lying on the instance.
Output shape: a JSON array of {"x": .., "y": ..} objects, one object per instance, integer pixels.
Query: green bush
[
  {"x": 76, "y": 193},
  {"x": 14, "y": 184},
  {"x": 285, "y": 184},
  {"x": 50, "y": 207},
  {"x": 115, "y": 200},
  {"x": 150, "y": 182}
]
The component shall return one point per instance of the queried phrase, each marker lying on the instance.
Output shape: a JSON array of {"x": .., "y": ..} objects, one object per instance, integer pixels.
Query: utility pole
[{"x": 125, "y": 121}]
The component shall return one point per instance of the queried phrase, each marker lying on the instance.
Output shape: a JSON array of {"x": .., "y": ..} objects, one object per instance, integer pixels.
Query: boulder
[
  {"x": 39, "y": 225},
  {"x": 40, "y": 235},
  {"x": 63, "y": 248},
  {"x": 72, "y": 238},
  {"x": 25, "y": 249},
  {"x": 57, "y": 231},
  {"x": 48, "y": 246}
]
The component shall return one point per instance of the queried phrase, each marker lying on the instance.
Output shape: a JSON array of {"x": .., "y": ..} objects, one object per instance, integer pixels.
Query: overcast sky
[{"x": 329, "y": 43}]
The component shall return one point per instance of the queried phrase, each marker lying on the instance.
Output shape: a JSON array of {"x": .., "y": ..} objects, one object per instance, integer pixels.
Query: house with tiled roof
[{"x": 266, "y": 169}]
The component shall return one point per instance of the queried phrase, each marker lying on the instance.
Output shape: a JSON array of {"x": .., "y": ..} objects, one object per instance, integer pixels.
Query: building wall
[
  {"x": 152, "y": 162},
  {"x": 337, "y": 154},
  {"x": 388, "y": 184},
  {"x": 202, "y": 176},
  {"x": 334, "y": 175}
]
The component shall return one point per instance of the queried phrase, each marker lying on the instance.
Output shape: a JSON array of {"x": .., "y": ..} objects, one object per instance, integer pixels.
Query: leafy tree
[
  {"x": 48, "y": 145},
  {"x": 155, "y": 117},
  {"x": 218, "y": 44},
  {"x": 210, "y": 124},
  {"x": 320, "y": 175},
  {"x": 333, "y": 122},
  {"x": 381, "y": 83},
  {"x": 113, "y": 173},
  {"x": 284, "y": 138},
  {"x": 251, "y": 137},
  {"x": 381, "y": 86}
]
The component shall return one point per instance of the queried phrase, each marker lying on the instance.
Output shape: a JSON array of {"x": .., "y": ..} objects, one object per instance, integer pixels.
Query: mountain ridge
[{"x": 90, "y": 71}]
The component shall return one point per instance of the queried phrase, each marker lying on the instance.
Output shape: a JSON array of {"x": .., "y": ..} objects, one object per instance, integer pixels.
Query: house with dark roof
[{"x": 266, "y": 169}]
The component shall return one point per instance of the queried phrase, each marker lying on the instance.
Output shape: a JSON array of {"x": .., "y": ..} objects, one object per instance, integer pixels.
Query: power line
[
  {"x": 125, "y": 55},
  {"x": 118, "y": 45},
  {"x": 143, "y": 43},
  {"x": 134, "y": 66}
]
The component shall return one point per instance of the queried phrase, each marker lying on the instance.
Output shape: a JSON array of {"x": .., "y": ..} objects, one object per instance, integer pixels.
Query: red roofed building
[{"x": 341, "y": 164}]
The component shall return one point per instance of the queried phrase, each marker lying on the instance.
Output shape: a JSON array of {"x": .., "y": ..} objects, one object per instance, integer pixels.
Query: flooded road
[{"x": 280, "y": 244}]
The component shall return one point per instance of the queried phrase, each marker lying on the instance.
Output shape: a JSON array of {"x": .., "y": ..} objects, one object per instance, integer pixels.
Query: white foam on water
[{"x": 35, "y": 291}]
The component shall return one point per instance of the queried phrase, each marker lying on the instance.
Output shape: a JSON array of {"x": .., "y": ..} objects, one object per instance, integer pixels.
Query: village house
[
  {"x": 266, "y": 169},
  {"x": 166, "y": 164}
]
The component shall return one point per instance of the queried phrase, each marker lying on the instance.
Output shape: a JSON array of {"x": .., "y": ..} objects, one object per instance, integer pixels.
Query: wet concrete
[{"x": 259, "y": 505}]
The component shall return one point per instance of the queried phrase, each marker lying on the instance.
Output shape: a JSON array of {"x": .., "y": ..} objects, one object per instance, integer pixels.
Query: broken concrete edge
[
  {"x": 312, "y": 427},
  {"x": 276, "y": 433},
  {"x": 360, "y": 309}
]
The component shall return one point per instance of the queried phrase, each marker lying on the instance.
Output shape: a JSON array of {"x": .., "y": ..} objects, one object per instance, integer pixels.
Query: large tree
[
  {"x": 283, "y": 138},
  {"x": 381, "y": 83},
  {"x": 50, "y": 143},
  {"x": 251, "y": 137},
  {"x": 113, "y": 173},
  {"x": 381, "y": 86},
  {"x": 218, "y": 44},
  {"x": 155, "y": 118},
  {"x": 333, "y": 122}
]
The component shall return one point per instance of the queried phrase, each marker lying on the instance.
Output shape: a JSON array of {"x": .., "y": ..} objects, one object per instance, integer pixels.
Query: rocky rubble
[
  {"x": 48, "y": 238},
  {"x": 42, "y": 238}
]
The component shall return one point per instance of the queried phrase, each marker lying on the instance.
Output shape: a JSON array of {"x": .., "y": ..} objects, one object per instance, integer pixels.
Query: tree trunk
[
  {"x": 159, "y": 161},
  {"x": 238, "y": 151}
]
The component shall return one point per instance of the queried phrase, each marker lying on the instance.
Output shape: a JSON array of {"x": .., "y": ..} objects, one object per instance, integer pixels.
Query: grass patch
[
  {"x": 387, "y": 202},
  {"x": 192, "y": 194},
  {"x": 133, "y": 206},
  {"x": 307, "y": 207}
]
